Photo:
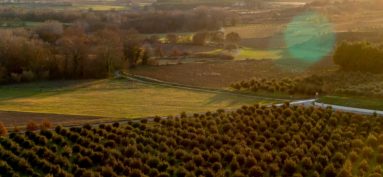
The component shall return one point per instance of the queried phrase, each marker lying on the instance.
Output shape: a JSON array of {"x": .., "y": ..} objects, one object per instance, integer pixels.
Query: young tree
[
  {"x": 74, "y": 46},
  {"x": 145, "y": 57},
  {"x": 109, "y": 51},
  {"x": 233, "y": 38},
  {"x": 45, "y": 124},
  {"x": 218, "y": 37},
  {"x": 49, "y": 31},
  {"x": 172, "y": 38},
  {"x": 32, "y": 126},
  {"x": 3, "y": 129},
  {"x": 132, "y": 48},
  {"x": 200, "y": 38}
]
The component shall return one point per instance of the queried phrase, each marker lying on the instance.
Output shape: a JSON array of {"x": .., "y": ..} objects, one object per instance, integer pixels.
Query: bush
[
  {"x": 363, "y": 166},
  {"x": 372, "y": 140},
  {"x": 3, "y": 130},
  {"x": 256, "y": 171},
  {"x": 380, "y": 149},
  {"x": 108, "y": 172},
  {"x": 379, "y": 159},
  {"x": 297, "y": 175},
  {"x": 216, "y": 166},
  {"x": 367, "y": 152},
  {"x": 234, "y": 165},
  {"x": 163, "y": 174},
  {"x": 344, "y": 173},
  {"x": 181, "y": 172},
  {"x": 354, "y": 156},
  {"x": 307, "y": 162},
  {"x": 290, "y": 166},
  {"x": 238, "y": 174},
  {"x": 380, "y": 139},
  {"x": 215, "y": 157},
  {"x": 157, "y": 119},
  {"x": 5, "y": 169},
  {"x": 45, "y": 124},
  {"x": 27, "y": 76},
  {"x": 153, "y": 162},
  {"x": 330, "y": 171},
  {"x": 85, "y": 162},
  {"x": 32, "y": 126}
]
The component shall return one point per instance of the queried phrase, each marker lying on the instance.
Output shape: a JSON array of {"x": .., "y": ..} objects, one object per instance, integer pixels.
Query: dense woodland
[
  {"x": 54, "y": 52},
  {"x": 91, "y": 44},
  {"x": 198, "y": 19},
  {"x": 251, "y": 141}
]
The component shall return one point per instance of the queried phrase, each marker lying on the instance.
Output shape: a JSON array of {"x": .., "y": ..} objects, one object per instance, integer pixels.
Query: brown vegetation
[
  {"x": 251, "y": 141},
  {"x": 3, "y": 129},
  {"x": 354, "y": 83}
]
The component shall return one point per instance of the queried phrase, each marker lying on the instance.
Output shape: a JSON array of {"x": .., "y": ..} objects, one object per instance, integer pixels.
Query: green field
[
  {"x": 249, "y": 54},
  {"x": 252, "y": 31},
  {"x": 113, "y": 98},
  {"x": 97, "y": 7},
  {"x": 66, "y": 6},
  {"x": 356, "y": 102}
]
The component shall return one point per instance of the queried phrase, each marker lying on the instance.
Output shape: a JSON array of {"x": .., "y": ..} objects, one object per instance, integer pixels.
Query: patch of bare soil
[
  {"x": 213, "y": 74},
  {"x": 220, "y": 74}
]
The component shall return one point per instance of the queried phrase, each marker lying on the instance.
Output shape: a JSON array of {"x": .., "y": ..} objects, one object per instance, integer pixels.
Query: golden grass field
[{"x": 113, "y": 99}]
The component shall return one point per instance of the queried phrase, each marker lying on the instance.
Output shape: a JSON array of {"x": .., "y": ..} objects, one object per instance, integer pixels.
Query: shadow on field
[{"x": 43, "y": 89}]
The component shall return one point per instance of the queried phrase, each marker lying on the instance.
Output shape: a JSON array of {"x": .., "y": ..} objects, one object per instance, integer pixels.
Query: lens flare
[{"x": 309, "y": 37}]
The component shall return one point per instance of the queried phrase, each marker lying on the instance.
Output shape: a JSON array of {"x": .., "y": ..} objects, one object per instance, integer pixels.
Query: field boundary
[{"x": 148, "y": 80}]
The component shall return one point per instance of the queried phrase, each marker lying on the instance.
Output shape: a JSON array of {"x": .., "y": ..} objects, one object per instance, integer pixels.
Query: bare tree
[{"x": 49, "y": 31}]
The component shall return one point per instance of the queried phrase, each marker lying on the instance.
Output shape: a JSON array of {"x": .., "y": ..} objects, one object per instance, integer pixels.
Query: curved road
[{"x": 304, "y": 102}]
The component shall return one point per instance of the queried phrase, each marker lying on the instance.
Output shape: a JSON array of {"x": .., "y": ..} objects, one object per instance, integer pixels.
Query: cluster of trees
[
  {"x": 374, "y": 89},
  {"x": 337, "y": 82},
  {"x": 304, "y": 86},
  {"x": 198, "y": 19},
  {"x": 51, "y": 51},
  {"x": 190, "y": 4},
  {"x": 31, "y": 126},
  {"x": 230, "y": 41},
  {"x": 359, "y": 56},
  {"x": 39, "y": 15},
  {"x": 251, "y": 141}
]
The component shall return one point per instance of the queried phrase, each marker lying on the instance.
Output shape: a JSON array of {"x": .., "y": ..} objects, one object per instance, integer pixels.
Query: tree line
[
  {"x": 198, "y": 19},
  {"x": 52, "y": 51},
  {"x": 350, "y": 83}
]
